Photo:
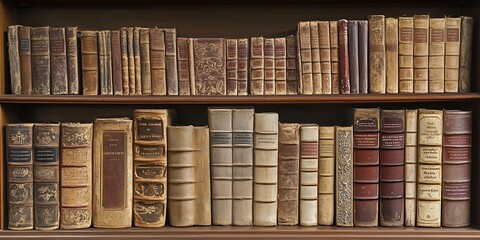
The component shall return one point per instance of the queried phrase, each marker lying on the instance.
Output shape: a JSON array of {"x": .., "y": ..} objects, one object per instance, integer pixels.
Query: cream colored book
[
  {"x": 436, "y": 57},
  {"x": 411, "y": 166},
  {"x": 326, "y": 175},
  {"x": 309, "y": 175},
  {"x": 405, "y": 54},
  {"x": 391, "y": 53},
  {"x": 452, "y": 53},
  {"x": 316, "y": 66},
  {"x": 420, "y": 53},
  {"x": 203, "y": 215}
]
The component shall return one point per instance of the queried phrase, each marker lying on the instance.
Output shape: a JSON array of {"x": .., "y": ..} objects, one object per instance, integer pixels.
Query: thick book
[
  {"x": 363, "y": 55},
  {"x": 343, "y": 57},
  {"x": 58, "y": 61},
  {"x": 405, "y": 55},
  {"x": 269, "y": 66},
  {"x": 40, "y": 42},
  {"x": 76, "y": 175},
  {"x": 183, "y": 66},
  {"x": 150, "y": 166},
  {"x": 326, "y": 175},
  {"x": 377, "y": 54},
  {"x": 157, "y": 61},
  {"x": 105, "y": 62},
  {"x": 171, "y": 60},
  {"x": 232, "y": 66},
  {"x": 292, "y": 67},
  {"x": 14, "y": 59},
  {"x": 457, "y": 160},
  {"x": 19, "y": 156},
  {"x": 334, "y": 57},
  {"x": 344, "y": 176},
  {"x": 257, "y": 67},
  {"x": 304, "y": 58},
  {"x": 429, "y": 186},
  {"x": 391, "y": 54},
  {"x": 420, "y": 53},
  {"x": 452, "y": 53},
  {"x": 137, "y": 64},
  {"x": 124, "y": 55},
  {"x": 280, "y": 66},
  {"x": 353, "y": 61},
  {"x": 392, "y": 163},
  {"x": 411, "y": 120},
  {"x": 315, "y": 56},
  {"x": 466, "y": 36},
  {"x": 265, "y": 159},
  {"x": 46, "y": 158},
  {"x": 72, "y": 60},
  {"x": 288, "y": 173},
  {"x": 325, "y": 64},
  {"x": 308, "y": 211},
  {"x": 131, "y": 61},
  {"x": 112, "y": 173},
  {"x": 436, "y": 56},
  {"x": 145, "y": 61},
  {"x": 117, "y": 70},
  {"x": 242, "y": 67},
  {"x": 89, "y": 49},
  {"x": 209, "y": 52}
]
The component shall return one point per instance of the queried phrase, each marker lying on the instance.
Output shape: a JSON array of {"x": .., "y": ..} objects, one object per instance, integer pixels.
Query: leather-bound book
[
  {"x": 292, "y": 67},
  {"x": 46, "y": 157},
  {"x": 304, "y": 56},
  {"x": 14, "y": 58},
  {"x": 191, "y": 65},
  {"x": 89, "y": 51},
  {"x": 405, "y": 55},
  {"x": 131, "y": 61},
  {"x": 315, "y": 55},
  {"x": 157, "y": 61},
  {"x": 466, "y": 37},
  {"x": 343, "y": 57},
  {"x": 366, "y": 141},
  {"x": 326, "y": 175},
  {"x": 112, "y": 178},
  {"x": 411, "y": 120},
  {"x": 280, "y": 66},
  {"x": 308, "y": 175},
  {"x": 137, "y": 61},
  {"x": 325, "y": 64},
  {"x": 363, "y": 56},
  {"x": 392, "y": 163},
  {"x": 116, "y": 63},
  {"x": 19, "y": 138},
  {"x": 377, "y": 54},
  {"x": 452, "y": 53},
  {"x": 436, "y": 56},
  {"x": 344, "y": 176},
  {"x": 145, "y": 61},
  {"x": 183, "y": 66},
  {"x": 26, "y": 59},
  {"x": 40, "y": 42},
  {"x": 334, "y": 57},
  {"x": 391, "y": 54},
  {"x": 257, "y": 67},
  {"x": 265, "y": 160},
  {"x": 420, "y": 53},
  {"x": 203, "y": 214},
  {"x": 72, "y": 60},
  {"x": 242, "y": 67},
  {"x": 171, "y": 60},
  {"x": 105, "y": 62},
  {"x": 76, "y": 175},
  {"x": 232, "y": 66},
  {"x": 58, "y": 61},
  {"x": 288, "y": 173},
  {"x": 209, "y": 52},
  {"x": 269, "y": 65},
  {"x": 429, "y": 186},
  {"x": 353, "y": 56},
  {"x": 457, "y": 159},
  {"x": 124, "y": 55}
]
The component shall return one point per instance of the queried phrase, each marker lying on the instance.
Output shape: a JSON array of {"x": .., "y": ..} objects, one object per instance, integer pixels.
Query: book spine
[
  {"x": 89, "y": 49},
  {"x": 377, "y": 55},
  {"x": 308, "y": 175},
  {"x": 269, "y": 65},
  {"x": 353, "y": 56},
  {"x": 436, "y": 57},
  {"x": 315, "y": 56},
  {"x": 334, "y": 57},
  {"x": 466, "y": 32},
  {"x": 391, "y": 54},
  {"x": 411, "y": 120},
  {"x": 452, "y": 53},
  {"x": 76, "y": 175},
  {"x": 26, "y": 59},
  {"x": 171, "y": 61},
  {"x": 280, "y": 66},
  {"x": 265, "y": 159},
  {"x": 46, "y": 178},
  {"x": 242, "y": 67},
  {"x": 429, "y": 186},
  {"x": 131, "y": 61},
  {"x": 58, "y": 61},
  {"x": 304, "y": 47},
  {"x": 145, "y": 61},
  {"x": 203, "y": 215},
  {"x": 405, "y": 56},
  {"x": 344, "y": 176},
  {"x": 288, "y": 173},
  {"x": 124, "y": 54},
  {"x": 209, "y": 81},
  {"x": 257, "y": 67},
  {"x": 420, "y": 53},
  {"x": 72, "y": 60},
  {"x": 242, "y": 170},
  {"x": 457, "y": 160},
  {"x": 157, "y": 61},
  {"x": 363, "y": 55},
  {"x": 292, "y": 67},
  {"x": 116, "y": 63},
  {"x": 40, "y": 42},
  {"x": 191, "y": 65},
  {"x": 14, "y": 58},
  {"x": 232, "y": 66},
  {"x": 19, "y": 154},
  {"x": 326, "y": 175},
  {"x": 343, "y": 58},
  {"x": 137, "y": 61},
  {"x": 105, "y": 64},
  {"x": 183, "y": 67},
  {"x": 325, "y": 64},
  {"x": 112, "y": 159},
  {"x": 392, "y": 167}
]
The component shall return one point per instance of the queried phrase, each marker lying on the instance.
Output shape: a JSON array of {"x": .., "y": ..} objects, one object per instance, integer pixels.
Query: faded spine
[
  {"x": 377, "y": 54},
  {"x": 257, "y": 67},
  {"x": 171, "y": 61},
  {"x": 40, "y": 42},
  {"x": 89, "y": 50},
  {"x": 232, "y": 66},
  {"x": 157, "y": 61},
  {"x": 326, "y": 175},
  {"x": 391, "y": 54},
  {"x": 72, "y": 60},
  {"x": 280, "y": 66},
  {"x": 405, "y": 55},
  {"x": 243, "y": 63},
  {"x": 58, "y": 61},
  {"x": 420, "y": 53}
]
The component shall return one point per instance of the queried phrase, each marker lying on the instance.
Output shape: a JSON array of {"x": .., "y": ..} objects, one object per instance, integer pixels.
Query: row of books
[{"x": 391, "y": 168}]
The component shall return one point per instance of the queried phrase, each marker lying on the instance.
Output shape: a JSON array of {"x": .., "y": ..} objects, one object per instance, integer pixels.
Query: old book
[
  {"x": 183, "y": 67},
  {"x": 292, "y": 67},
  {"x": 334, "y": 57},
  {"x": 457, "y": 159},
  {"x": 344, "y": 176},
  {"x": 145, "y": 61},
  {"x": 391, "y": 54},
  {"x": 363, "y": 55},
  {"x": 315, "y": 55},
  {"x": 257, "y": 67},
  {"x": 452, "y": 53},
  {"x": 19, "y": 152},
  {"x": 343, "y": 57},
  {"x": 353, "y": 56},
  {"x": 191, "y": 65},
  {"x": 269, "y": 65},
  {"x": 436, "y": 56},
  {"x": 203, "y": 214},
  {"x": 232, "y": 66},
  {"x": 265, "y": 160},
  {"x": 14, "y": 58},
  {"x": 124, "y": 55},
  {"x": 280, "y": 66},
  {"x": 304, "y": 58},
  {"x": 242, "y": 67},
  {"x": 112, "y": 159},
  {"x": 220, "y": 123},
  {"x": 308, "y": 175},
  {"x": 420, "y": 53},
  {"x": 326, "y": 175},
  {"x": 242, "y": 166},
  {"x": 157, "y": 61},
  {"x": 105, "y": 62},
  {"x": 25, "y": 52},
  {"x": 411, "y": 120},
  {"x": 58, "y": 61},
  {"x": 150, "y": 167},
  {"x": 405, "y": 56},
  {"x": 209, "y": 52},
  {"x": 137, "y": 64},
  {"x": 325, "y": 64},
  {"x": 288, "y": 173},
  {"x": 392, "y": 163},
  {"x": 72, "y": 60},
  {"x": 377, "y": 54},
  {"x": 116, "y": 63},
  {"x": 89, "y": 51},
  {"x": 171, "y": 60},
  {"x": 46, "y": 157},
  {"x": 466, "y": 32},
  {"x": 76, "y": 175},
  {"x": 366, "y": 143},
  {"x": 40, "y": 56},
  {"x": 429, "y": 186},
  {"x": 131, "y": 61}
]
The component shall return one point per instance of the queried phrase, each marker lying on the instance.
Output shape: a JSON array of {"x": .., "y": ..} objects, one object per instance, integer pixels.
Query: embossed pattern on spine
[
  {"x": 232, "y": 66},
  {"x": 171, "y": 60},
  {"x": 183, "y": 66},
  {"x": 242, "y": 71},
  {"x": 292, "y": 66},
  {"x": 280, "y": 66},
  {"x": 325, "y": 56},
  {"x": 145, "y": 61},
  {"x": 124, "y": 55},
  {"x": 157, "y": 61},
  {"x": 210, "y": 66},
  {"x": 308, "y": 175},
  {"x": 304, "y": 51},
  {"x": 343, "y": 57},
  {"x": 14, "y": 58},
  {"x": 40, "y": 55},
  {"x": 377, "y": 54},
  {"x": 420, "y": 53},
  {"x": 411, "y": 120},
  {"x": 326, "y": 175},
  {"x": 344, "y": 178},
  {"x": 391, "y": 54},
  {"x": 58, "y": 61},
  {"x": 269, "y": 65},
  {"x": 405, "y": 55},
  {"x": 89, "y": 51}
]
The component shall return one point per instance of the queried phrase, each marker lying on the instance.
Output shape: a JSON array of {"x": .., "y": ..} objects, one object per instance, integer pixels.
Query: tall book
[
  {"x": 363, "y": 55},
  {"x": 366, "y": 143},
  {"x": 105, "y": 62},
  {"x": 464, "y": 78},
  {"x": 72, "y": 60},
  {"x": 171, "y": 60},
  {"x": 137, "y": 61},
  {"x": 124, "y": 54},
  {"x": 436, "y": 56},
  {"x": 391, "y": 54},
  {"x": 131, "y": 61},
  {"x": 452, "y": 53},
  {"x": 429, "y": 186},
  {"x": 405, "y": 54},
  {"x": 157, "y": 61},
  {"x": 76, "y": 175},
  {"x": 326, "y": 175},
  {"x": 269, "y": 65},
  {"x": 292, "y": 67},
  {"x": 377, "y": 54},
  {"x": 265, "y": 160},
  {"x": 116, "y": 62},
  {"x": 242, "y": 71},
  {"x": 392, "y": 163},
  {"x": 304, "y": 58},
  {"x": 457, "y": 159},
  {"x": 315, "y": 55},
  {"x": 344, "y": 176},
  {"x": 14, "y": 59},
  {"x": 145, "y": 61},
  {"x": 89, "y": 49},
  {"x": 58, "y": 61},
  {"x": 334, "y": 56},
  {"x": 280, "y": 66},
  {"x": 19, "y": 138},
  {"x": 288, "y": 173},
  {"x": 183, "y": 66},
  {"x": 25, "y": 50},
  {"x": 232, "y": 66},
  {"x": 257, "y": 66},
  {"x": 420, "y": 53},
  {"x": 150, "y": 167},
  {"x": 207, "y": 51},
  {"x": 112, "y": 159},
  {"x": 40, "y": 42},
  {"x": 308, "y": 175},
  {"x": 325, "y": 64},
  {"x": 203, "y": 215},
  {"x": 343, "y": 57},
  {"x": 353, "y": 56},
  {"x": 411, "y": 120}
]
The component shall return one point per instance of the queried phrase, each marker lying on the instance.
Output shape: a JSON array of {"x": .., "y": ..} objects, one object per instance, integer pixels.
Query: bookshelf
[{"x": 227, "y": 18}]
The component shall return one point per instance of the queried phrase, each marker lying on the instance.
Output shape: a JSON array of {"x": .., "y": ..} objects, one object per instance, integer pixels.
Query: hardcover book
[
  {"x": 452, "y": 53},
  {"x": 292, "y": 67},
  {"x": 343, "y": 57},
  {"x": 308, "y": 175},
  {"x": 344, "y": 176},
  {"x": 411, "y": 120},
  {"x": 157, "y": 61},
  {"x": 391, "y": 54},
  {"x": 124, "y": 60},
  {"x": 232, "y": 66},
  {"x": 405, "y": 55},
  {"x": 131, "y": 61},
  {"x": 145, "y": 61},
  {"x": 334, "y": 53},
  {"x": 420, "y": 53},
  {"x": 26, "y": 59},
  {"x": 326, "y": 175},
  {"x": 325, "y": 56},
  {"x": 242, "y": 71},
  {"x": 269, "y": 65},
  {"x": 40, "y": 56},
  {"x": 280, "y": 66},
  {"x": 89, "y": 49},
  {"x": 304, "y": 58},
  {"x": 72, "y": 60},
  {"x": 353, "y": 56},
  {"x": 171, "y": 60},
  {"x": 116, "y": 63},
  {"x": 315, "y": 56},
  {"x": 209, "y": 61},
  {"x": 464, "y": 79},
  {"x": 58, "y": 61},
  {"x": 436, "y": 56},
  {"x": 183, "y": 66},
  {"x": 137, "y": 61},
  {"x": 363, "y": 55},
  {"x": 257, "y": 66},
  {"x": 14, "y": 58},
  {"x": 377, "y": 54},
  {"x": 105, "y": 62}
]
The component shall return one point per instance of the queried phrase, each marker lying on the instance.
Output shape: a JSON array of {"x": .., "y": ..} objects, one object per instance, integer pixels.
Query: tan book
[
  {"x": 334, "y": 57},
  {"x": 325, "y": 64},
  {"x": 391, "y": 50},
  {"x": 420, "y": 53},
  {"x": 377, "y": 55},
  {"x": 466, "y": 32},
  {"x": 316, "y": 67},
  {"x": 292, "y": 69},
  {"x": 145, "y": 61},
  {"x": 280, "y": 66},
  {"x": 452, "y": 53},
  {"x": 436, "y": 57},
  {"x": 405, "y": 54},
  {"x": 112, "y": 178},
  {"x": 157, "y": 61},
  {"x": 265, "y": 169},
  {"x": 89, "y": 49},
  {"x": 137, "y": 61},
  {"x": 269, "y": 64},
  {"x": 171, "y": 68},
  {"x": 429, "y": 186},
  {"x": 411, "y": 119},
  {"x": 131, "y": 61},
  {"x": 206, "y": 51},
  {"x": 326, "y": 175},
  {"x": 304, "y": 54},
  {"x": 257, "y": 66},
  {"x": 344, "y": 178},
  {"x": 203, "y": 214},
  {"x": 308, "y": 175},
  {"x": 124, "y": 60}
]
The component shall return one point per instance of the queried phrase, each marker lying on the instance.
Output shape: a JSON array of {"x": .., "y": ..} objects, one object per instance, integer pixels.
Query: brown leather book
[
  {"x": 116, "y": 63},
  {"x": 292, "y": 67},
  {"x": 14, "y": 58},
  {"x": 46, "y": 157},
  {"x": 334, "y": 57},
  {"x": 72, "y": 60},
  {"x": 325, "y": 64},
  {"x": 25, "y": 59},
  {"x": 326, "y": 175},
  {"x": 183, "y": 66},
  {"x": 457, "y": 159},
  {"x": 19, "y": 138},
  {"x": 280, "y": 66},
  {"x": 105, "y": 62},
  {"x": 363, "y": 55},
  {"x": 392, "y": 161},
  {"x": 242, "y": 71},
  {"x": 308, "y": 175},
  {"x": 171, "y": 60},
  {"x": 391, "y": 54},
  {"x": 131, "y": 61},
  {"x": 315, "y": 55},
  {"x": 420, "y": 53},
  {"x": 466, "y": 37},
  {"x": 40, "y": 42},
  {"x": 288, "y": 173},
  {"x": 89, "y": 50},
  {"x": 304, "y": 55},
  {"x": 377, "y": 55},
  {"x": 269, "y": 64},
  {"x": 145, "y": 61},
  {"x": 257, "y": 67},
  {"x": 58, "y": 61},
  {"x": 411, "y": 120},
  {"x": 405, "y": 55},
  {"x": 157, "y": 61},
  {"x": 191, "y": 65},
  {"x": 76, "y": 175},
  {"x": 209, "y": 80},
  {"x": 436, "y": 56},
  {"x": 366, "y": 142},
  {"x": 343, "y": 58},
  {"x": 344, "y": 176},
  {"x": 452, "y": 53},
  {"x": 137, "y": 61},
  {"x": 353, "y": 56},
  {"x": 232, "y": 66},
  {"x": 124, "y": 55}
]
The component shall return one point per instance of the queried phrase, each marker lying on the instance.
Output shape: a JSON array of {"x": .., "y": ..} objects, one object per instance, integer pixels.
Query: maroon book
[{"x": 343, "y": 60}]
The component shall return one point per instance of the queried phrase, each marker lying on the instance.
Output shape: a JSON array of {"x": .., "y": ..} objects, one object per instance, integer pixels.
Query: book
[
  {"x": 334, "y": 53},
  {"x": 72, "y": 60},
  {"x": 326, "y": 175},
  {"x": 46, "y": 158},
  {"x": 269, "y": 66},
  {"x": 19, "y": 139},
  {"x": 145, "y": 61},
  {"x": 420, "y": 53},
  {"x": 308, "y": 175},
  {"x": 242, "y": 68},
  {"x": 116, "y": 63},
  {"x": 25, "y": 52},
  {"x": 89, "y": 51},
  {"x": 191, "y": 65},
  {"x": 411, "y": 119},
  {"x": 40, "y": 42},
  {"x": 280, "y": 66},
  {"x": 429, "y": 186},
  {"x": 315, "y": 57},
  {"x": 363, "y": 55},
  {"x": 183, "y": 66},
  {"x": 232, "y": 66},
  {"x": 343, "y": 57},
  {"x": 124, "y": 55},
  {"x": 76, "y": 175},
  {"x": 353, "y": 61},
  {"x": 405, "y": 55},
  {"x": 208, "y": 52},
  {"x": 203, "y": 211},
  {"x": 292, "y": 67},
  {"x": 157, "y": 61},
  {"x": 131, "y": 61},
  {"x": 171, "y": 60},
  {"x": 457, "y": 160},
  {"x": 105, "y": 62},
  {"x": 265, "y": 160},
  {"x": 344, "y": 176},
  {"x": 452, "y": 53},
  {"x": 257, "y": 67},
  {"x": 466, "y": 31},
  {"x": 304, "y": 58},
  {"x": 436, "y": 56},
  {"x": 391, "y": 54},
  {"x": 137, "y": 61},
  {"x": 58, "y": 61},
  {"x": 377, "y": 54},
  {"x": 325, "y": 64},
  {"x": 288, "y": 173},
  {"x": 112, "y": 173},
  {"x": 14, "y": 59}
]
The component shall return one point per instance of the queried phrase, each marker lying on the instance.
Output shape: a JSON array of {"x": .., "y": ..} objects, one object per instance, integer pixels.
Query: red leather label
[
  {"x": 365, "y": 140},
  {"x": 452, "y": 155},
  {"x": 456, "y": 190},
  {"x": 309, "y": 149},
  {"x": 460, "y": 140},
  {"x": 392, "y": 140}
]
